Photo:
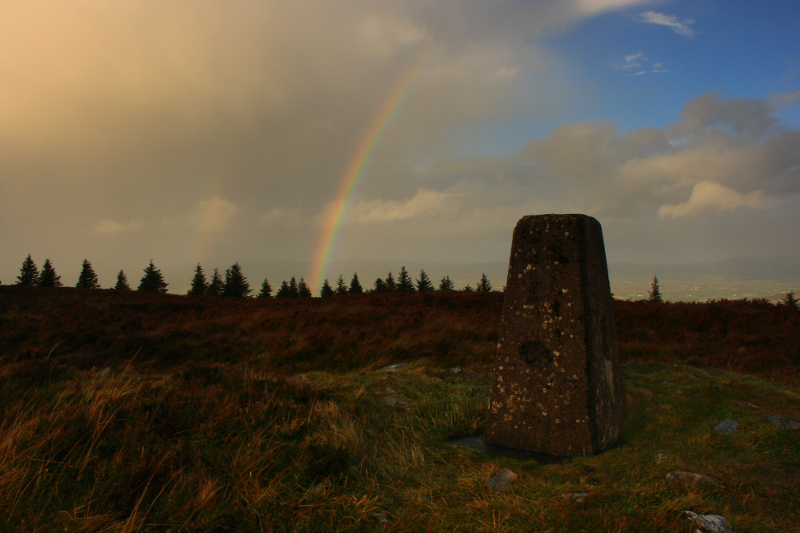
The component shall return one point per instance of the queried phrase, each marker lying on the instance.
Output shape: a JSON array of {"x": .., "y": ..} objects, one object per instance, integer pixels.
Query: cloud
[
  {"x": 425, "y": 203},
  {"x": 708, "y": 196},
  {"x": 280, "y": 216},
  {"x": 213, "y": 215},
  {"x": 670, "y": 21},
  {"x": 112, "y": 227},
  {"x": 640, "y": 64}
]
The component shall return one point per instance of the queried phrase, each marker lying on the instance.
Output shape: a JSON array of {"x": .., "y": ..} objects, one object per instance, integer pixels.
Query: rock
[
  {"x": 397, "y": 367},
  {"x": 727, "y": 427},
  {"x": 501, "y": 481},
  {"x": 574, "y": 496},
  {"x": 782, "y": 423},
  {"x": 101, "y": 373},
  {"x": 744, "y": 404},
  {"x": 394, "y": 401},
  {"x": 707, "y": 523},
  {"x": 457, "y": 373},
  {"x": 299, "y": 379},
  {"x": 679, "y": 475},
  {"x": 558, "y": 381},
  {"x": 390, "y": 390},
  {"x": 660, "y": 458}
]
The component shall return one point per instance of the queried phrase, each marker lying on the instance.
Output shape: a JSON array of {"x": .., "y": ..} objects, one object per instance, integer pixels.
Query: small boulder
[
  {"x": 782, "y": 423},
  {"x": 707, "y": 523},
  {"x": 394, "y": 401},
  {"x": 660, "y": 458},
  {"x": 574, "y": 496},
  {"x": 727, "y": 427},
  {"x": 679, "y": 475},
  {"x": 397, "y": 367},
  {"x": 501, "y": 481}
]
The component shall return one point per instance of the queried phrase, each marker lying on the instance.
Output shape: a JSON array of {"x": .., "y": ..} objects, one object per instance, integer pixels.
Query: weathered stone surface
[
  {"x": 574, "y": 496},
  {"x": 727, "y": 427},
  {"x": 394, "y": 401},
  {"x": 397, "y": 367},
  {"x": 707, "y": 523},
  {"x": 782, "y": 423},
  {"x": 501, "y": 481},
  {"x": 558, "y": 383},
  {"x": 680, "y": 475}
]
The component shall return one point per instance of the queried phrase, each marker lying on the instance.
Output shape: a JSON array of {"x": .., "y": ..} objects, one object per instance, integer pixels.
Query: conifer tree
[
  {"x": 294, "y": 290},
  {"x": 302, "y": 289},
  {"x": 380, "y": 286},
  {"x": 791, "y": 301},
  {"x": 199, "y": 283},
  {"x": 391, "y": 286},
  {"x": 122, "y": 282},
  {"x": 28, "y": 274},
  {"x": 153, "y": 280},
  {"x": 655, "y": 293},
  {"x": 341, "y": 288},
  {"x": 326, "y": 290},
  {"x": 236, "y": 284},
  {"x": 468, "y": 288},
  {"x": 48, "y": 276},
  {"x": 87, "y": 279},
  {"x": 424, "y": 282},
  {"x": 216, "y": 285},
  {"x": 283, "y": 291},
  {"x": 483, "y": 285},
  {"x": 446, "y": 284},
  {"x": 355, "y": 285},
  {"x": 266, "y": 290},
  {"x": 404, "y": 283}
]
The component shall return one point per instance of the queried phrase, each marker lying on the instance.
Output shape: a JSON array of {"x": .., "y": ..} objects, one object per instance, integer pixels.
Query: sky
[{"x": 205, "y": 132}]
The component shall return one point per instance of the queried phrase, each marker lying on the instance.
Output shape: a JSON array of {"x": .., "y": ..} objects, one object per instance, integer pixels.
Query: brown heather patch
[{"x": 195, "y": 428}]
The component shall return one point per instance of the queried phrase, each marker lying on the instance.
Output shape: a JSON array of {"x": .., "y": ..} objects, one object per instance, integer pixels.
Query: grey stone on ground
[
  {"x": 727, "y": 427},
  {"x": 707, "y": 523},
  {"x": 394, "y": 401},
  {"x": 100, "y": 373},
  {"x": 299, "y": 379},
  {"x": 501, "y": 481},
  {"x": 680, "y": 475},
  {"x": 782, "y": 423},
  {"x": 390, "y": 390},
  {"x": 457, "y": 372},
  {"x": 660, "y": 458},
  {"x": 574, "y": 496},
  {"x": 744, "y": 404},
  {"x": 397, "y": 367}
]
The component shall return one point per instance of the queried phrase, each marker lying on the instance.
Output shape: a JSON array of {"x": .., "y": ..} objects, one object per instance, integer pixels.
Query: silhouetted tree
[
  {"x": 404, "y": 283},
  {"x": 326, "y": 290},
  {"x": 468, "y": 288},
  {"x": 153, "y": 280},
  {"x": 424, "y": 282},
  {"x": 28, "y": 274},
  {"x": 341, "y": 288},
  {"x": 266, "y": 290},
  {"x": 122, "y": 282},
  {"x": 294, "y": 290},
  {"x": 283, "y": 291},
  {"x": 355, "y": 285},
  {"x": 446, "y": 284},
  {"x": 48, "y": 276},
  {"x": 199, "y": 283},
  {"x": 791, "y": 301},
  {"x": 391, "y": 286},
  {"x": 216, "y": 285},
  {"x": 236, "y": 285},
  {"x": 87, "y": 278},
  {"x": 380, "y": 286},
  {"x": 302, "y": 289},
  {"x": 655, "y": 293},
  {"x": 484, "y": 285}
]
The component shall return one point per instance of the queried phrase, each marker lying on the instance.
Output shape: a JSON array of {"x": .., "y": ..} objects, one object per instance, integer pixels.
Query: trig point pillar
[{"x": 557, "y": 377}]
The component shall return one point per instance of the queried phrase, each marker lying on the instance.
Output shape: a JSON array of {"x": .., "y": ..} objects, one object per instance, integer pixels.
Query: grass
[{"x": 198, "y": 427}]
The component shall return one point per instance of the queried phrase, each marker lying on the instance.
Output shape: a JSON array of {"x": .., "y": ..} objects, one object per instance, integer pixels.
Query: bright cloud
[
  {"x": 112, "y": 227},
  {"x": 670, "y": 21},
  {"x": 708, "y": 196},
  {"x": 214, "y": 215},
  {"x": 424, "y": 203},
  {"x": 280, "y": 216}
]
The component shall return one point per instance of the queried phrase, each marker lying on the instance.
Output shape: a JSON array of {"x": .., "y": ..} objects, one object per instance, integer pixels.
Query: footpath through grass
[{"x": 174, "y": 438}]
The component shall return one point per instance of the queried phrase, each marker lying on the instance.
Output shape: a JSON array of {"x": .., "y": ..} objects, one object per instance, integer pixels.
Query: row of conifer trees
[{"x": 235, "y": 283}]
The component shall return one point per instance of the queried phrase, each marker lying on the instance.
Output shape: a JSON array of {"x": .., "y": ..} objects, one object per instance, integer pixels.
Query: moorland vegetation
[{"x": 143, "y": 411}]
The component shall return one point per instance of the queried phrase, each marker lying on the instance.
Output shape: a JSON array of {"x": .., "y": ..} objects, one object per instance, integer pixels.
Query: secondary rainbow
[{"x": 332, "y": 224}]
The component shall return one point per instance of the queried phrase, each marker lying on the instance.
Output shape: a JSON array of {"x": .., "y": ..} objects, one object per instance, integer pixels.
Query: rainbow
[{"x": 332, "y": 223}]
